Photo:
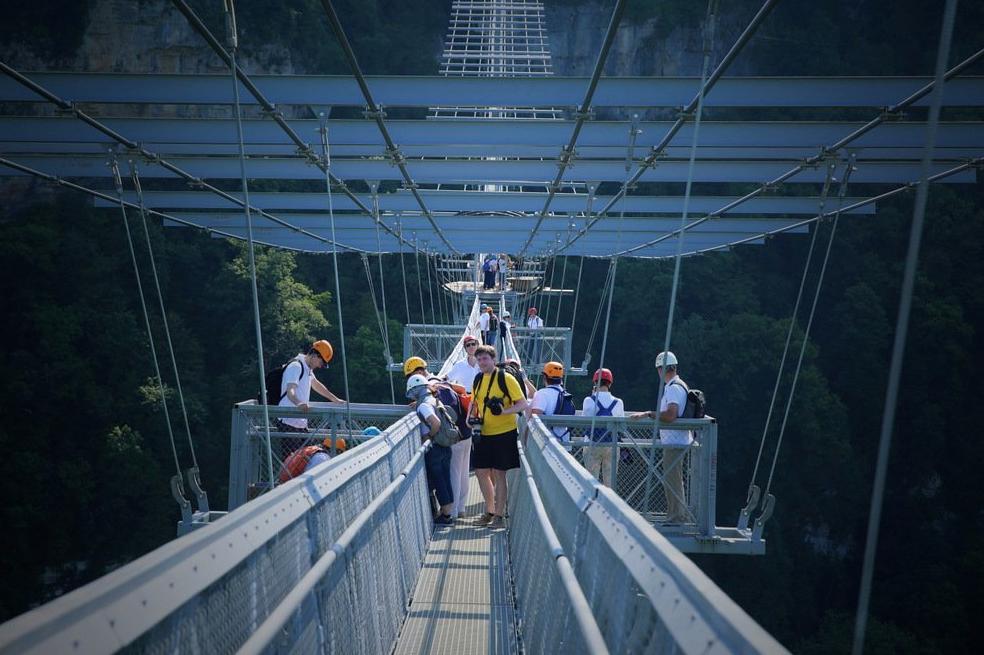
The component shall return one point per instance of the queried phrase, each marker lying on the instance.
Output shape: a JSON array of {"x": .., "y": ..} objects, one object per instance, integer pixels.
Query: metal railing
[
  {"x": 247, "y": 455},
  {"x": 642, "y": 468},
  {"x": 209, "y": 591},
  {"x": 435, "y": 343},
  {"x": 645, "y": 595}
]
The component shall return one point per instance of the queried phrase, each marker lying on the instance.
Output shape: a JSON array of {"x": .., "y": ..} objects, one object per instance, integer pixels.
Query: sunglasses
[{"x": 469, "y": 344}]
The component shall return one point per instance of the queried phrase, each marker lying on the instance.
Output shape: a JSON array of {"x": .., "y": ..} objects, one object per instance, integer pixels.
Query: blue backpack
[
  {"x": 564, "y": 407},
  {"x": 602, "y": 435}
]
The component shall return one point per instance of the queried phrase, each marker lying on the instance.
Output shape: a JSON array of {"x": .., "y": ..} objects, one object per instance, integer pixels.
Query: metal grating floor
[{"x": 463, "y": 602}]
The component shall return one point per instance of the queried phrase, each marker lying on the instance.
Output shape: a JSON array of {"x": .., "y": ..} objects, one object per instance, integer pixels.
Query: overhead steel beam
[
  {"x": 135, "y": 149},
  {"x": 476, "y": 171},
  {"x": 490, "y": 132},
  {"x": 375, "y": 112},
  {"x": 503, "y": 201},
  {"x": 417, "y": 91}
]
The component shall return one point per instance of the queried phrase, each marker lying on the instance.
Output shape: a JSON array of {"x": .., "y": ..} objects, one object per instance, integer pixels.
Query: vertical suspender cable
[
  {"x": 176, "y": 480},
  {"x": 420, "y": 288},
  {"x": 334, "y": 262},
  {"x": 708, "y": 48},
  {"x": 382, "y": 292},
  {"x": 901, "y": 329},
  {"x": 230, "y": 15},
  {"x": 430, "y": 286},
  {"x": 135, "y": 177},
  {"x": 403, "y": 269},
  {"x": 785, "y": 351}
]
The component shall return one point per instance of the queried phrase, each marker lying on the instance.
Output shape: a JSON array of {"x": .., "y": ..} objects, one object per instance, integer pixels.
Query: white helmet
[
  {"x": 413, "y": 382},
  {"x": 505, "y": 314},
  {"x": 666, "y": 358}
]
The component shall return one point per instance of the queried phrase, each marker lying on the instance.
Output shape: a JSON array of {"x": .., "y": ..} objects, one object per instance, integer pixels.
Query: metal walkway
[{"x": 464, "y": 601}]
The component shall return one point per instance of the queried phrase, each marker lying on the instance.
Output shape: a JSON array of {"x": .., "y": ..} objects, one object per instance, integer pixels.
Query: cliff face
[{"x": 152, "y": 36}]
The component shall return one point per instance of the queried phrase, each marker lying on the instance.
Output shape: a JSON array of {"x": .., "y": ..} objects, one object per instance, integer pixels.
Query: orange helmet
[
  {"x": 602, "y": 376},
  {"x": 324, "y": 349},
  {"x": 553, "y": 370},
  {"x": 340, "y": 445}
]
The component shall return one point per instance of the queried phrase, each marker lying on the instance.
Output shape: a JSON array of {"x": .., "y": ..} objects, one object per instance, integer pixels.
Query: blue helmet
[{"x": 372, "y": 431}]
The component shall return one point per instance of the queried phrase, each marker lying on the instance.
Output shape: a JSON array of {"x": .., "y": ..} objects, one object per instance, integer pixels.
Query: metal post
[{"x": 237, "y": 459}]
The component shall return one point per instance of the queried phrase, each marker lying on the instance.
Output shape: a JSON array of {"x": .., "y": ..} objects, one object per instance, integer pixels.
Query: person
[
  {"x": 493, "y": 327},
  {"x": 415, "y": 365},
  {"x": 483, "y": 324},
  {"x": 464, "y": 372},
  {"x": 535, "y": 325},
  {"x": 524, "y": 382},
  {"x": 505, "y": 324},
  {"x": 489, "y": 268},
  {"x": 496, "y": 402},
  {"x": 503, "y": 266},
  {"x": 675, "y": 442},
  {"x": 299, "y": 379},
  {"x": 437, "y": 459},
  {"x": 545, "y": 400},
  {"x": 601, "y": 402},
  {"x": 306, "y": 458}
]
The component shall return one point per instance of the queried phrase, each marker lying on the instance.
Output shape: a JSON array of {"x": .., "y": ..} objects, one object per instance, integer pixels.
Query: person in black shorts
[{"x": 497, "y": 400}]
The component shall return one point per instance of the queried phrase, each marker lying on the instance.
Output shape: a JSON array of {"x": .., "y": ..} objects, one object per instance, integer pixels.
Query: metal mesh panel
[{"x": 640, "y": 475}]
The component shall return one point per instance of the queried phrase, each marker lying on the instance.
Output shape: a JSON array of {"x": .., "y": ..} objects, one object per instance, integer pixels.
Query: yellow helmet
[
  {"x": 340, "y": 444},
  {"x": 413, "y": 364},
  {"x": 324, "y": 349},
  {"x": 553, "y": 370}
]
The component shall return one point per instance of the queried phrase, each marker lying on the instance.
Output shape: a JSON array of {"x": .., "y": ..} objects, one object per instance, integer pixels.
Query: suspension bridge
[{"x": 344, "y": 558}]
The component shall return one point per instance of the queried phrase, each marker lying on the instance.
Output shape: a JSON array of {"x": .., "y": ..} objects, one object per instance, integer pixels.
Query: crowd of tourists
[{"x": 471, "y": 417}]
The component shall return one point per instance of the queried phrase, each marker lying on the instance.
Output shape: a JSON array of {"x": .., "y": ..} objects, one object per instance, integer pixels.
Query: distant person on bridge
[
  {"x": 505, "y": 324},
  {"x": 547, "y": 400},
  {"x": 298, "y": 380},
  {"x": 483, "y": 323},
  {"x": 496, "y": 402},
  {"x": 502, "y": 264},
  {"x": 493, "y": 327},
  {"x": 489, "y": 270},
  {"x": 437, "y": 460},
  {"x": 306, "y": 458},
  {"x": 601, "y": 402},
  {"x": 675, "y": 443},
  {"x": 535, "y": 343}
]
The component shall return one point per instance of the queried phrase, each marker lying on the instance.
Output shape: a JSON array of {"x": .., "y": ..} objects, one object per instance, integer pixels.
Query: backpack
[
  {"x": 602, "y": 435},
  {"x": 297, "y": 461},
  {"x": 487, "y": 266},
  {"x": 564, "y": 407},
  {"x": 274, "y": 381},
  {"x": 457, "y": 402},
  {"x": 696, "y": 403},
  {"x": 449, "y": 434}
]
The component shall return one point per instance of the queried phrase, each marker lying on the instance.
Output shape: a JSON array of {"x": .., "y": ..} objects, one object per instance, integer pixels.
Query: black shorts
[{"x": 498, "y": 451}]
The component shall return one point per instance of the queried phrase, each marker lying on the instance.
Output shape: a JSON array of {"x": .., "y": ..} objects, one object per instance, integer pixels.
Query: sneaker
[
  {"x": 497, "y": 522},
  {"x": 444, "y": 519},
  {"x": 485, "y": 519}
]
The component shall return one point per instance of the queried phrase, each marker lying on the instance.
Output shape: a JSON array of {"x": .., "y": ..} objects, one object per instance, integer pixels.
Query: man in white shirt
[
  {"x": 545, "y": 400},
  {"x": 298, "y": 380},
  {"x": 483, "y": 324},
  {"x": 503, "y": 266},
  {"x": 676, "y": 443},
  {"x": 598, "y": 455},
  {"x": 535, "y": 324}
]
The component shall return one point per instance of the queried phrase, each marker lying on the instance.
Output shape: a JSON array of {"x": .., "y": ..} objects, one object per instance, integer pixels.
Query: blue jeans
[{"x": 437, "y": 464}]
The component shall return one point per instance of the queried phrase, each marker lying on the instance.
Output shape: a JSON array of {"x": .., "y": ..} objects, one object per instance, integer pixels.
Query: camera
[
  {"x": 475, "y": 424},
  {"x": 494, "y": 405}
]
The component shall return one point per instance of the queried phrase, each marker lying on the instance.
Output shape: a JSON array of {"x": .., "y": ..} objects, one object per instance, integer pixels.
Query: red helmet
[
  {"x": 603, "y": 375},
  {"x": 531, "y": 310}
]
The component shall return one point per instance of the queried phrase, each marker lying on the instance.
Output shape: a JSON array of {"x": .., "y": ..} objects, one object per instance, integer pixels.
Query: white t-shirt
[
  {"x": 319, "y": 457},
  {"x": 300, "y": 373},
  {"x": 534, "y": 322},
  {"x": 483, "y": 322},
  {"x": 463, "y": 373},
  {"x": 605, "y": 398},
  {"x": 675, "y": 394},
  {"x": 546, "y": 400},
  {"x": 502, "y": 265}
]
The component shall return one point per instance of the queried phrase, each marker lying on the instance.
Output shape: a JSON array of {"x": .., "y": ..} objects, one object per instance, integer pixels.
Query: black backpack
[
  {"x": 696, "y": 403},
  {"x": 274, "y": 380},
  {"x": 493, "y": 323}
]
